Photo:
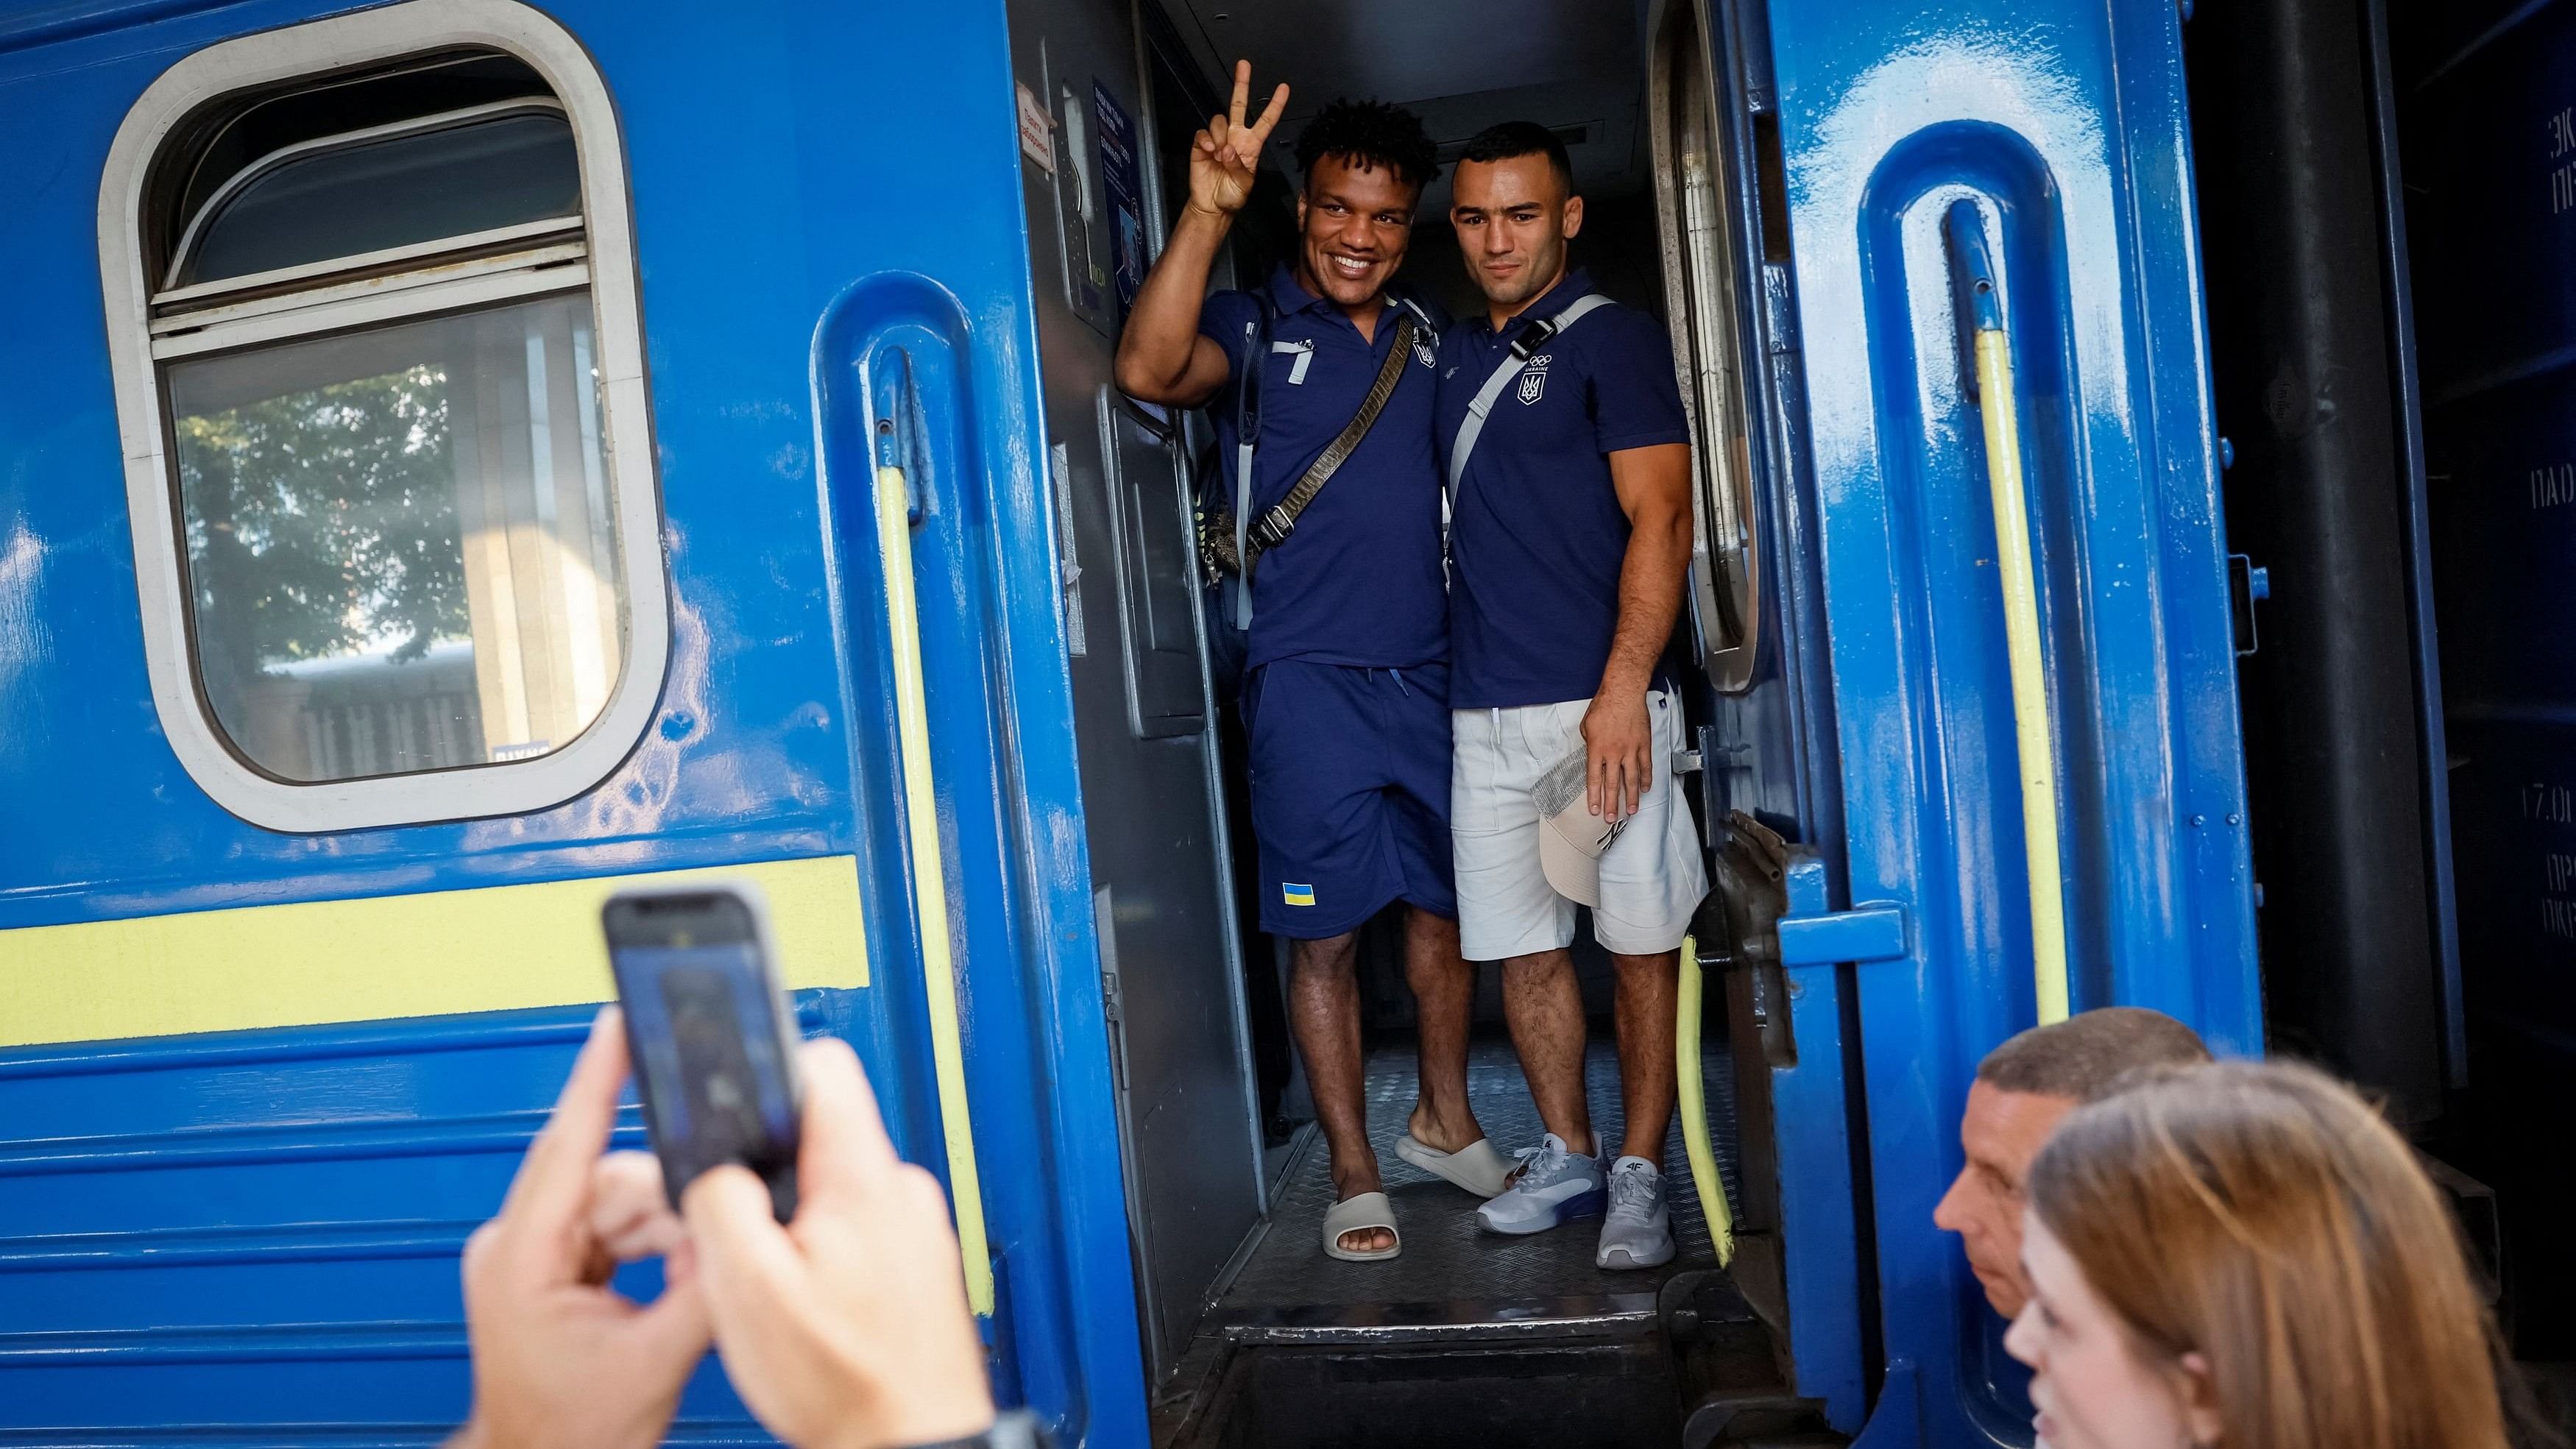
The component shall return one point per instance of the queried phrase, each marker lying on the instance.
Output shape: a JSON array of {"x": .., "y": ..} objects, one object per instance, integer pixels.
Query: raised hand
[{"x": 1226, "y": 152}]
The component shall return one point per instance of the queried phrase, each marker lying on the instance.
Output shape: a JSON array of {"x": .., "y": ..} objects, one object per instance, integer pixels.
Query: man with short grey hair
[{"x": 2023, "y": 1089}]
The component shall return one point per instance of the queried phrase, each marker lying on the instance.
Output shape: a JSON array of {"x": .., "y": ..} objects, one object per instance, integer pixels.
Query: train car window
[
  {"x": 1696, "y": 201},
  {"x": 374, "y": 323},
  {"x": 466, "y": 173}
]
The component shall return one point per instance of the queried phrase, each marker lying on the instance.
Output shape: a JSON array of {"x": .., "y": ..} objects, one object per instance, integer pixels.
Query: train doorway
[{"x": 1244, "y": 1320}]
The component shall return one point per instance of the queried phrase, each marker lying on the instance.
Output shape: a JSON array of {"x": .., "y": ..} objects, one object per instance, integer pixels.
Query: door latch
[
  {"x": 1870, "y": 931},
  {"x": 2245, "y": 585},
  {"x": 1809, "y": 931}
]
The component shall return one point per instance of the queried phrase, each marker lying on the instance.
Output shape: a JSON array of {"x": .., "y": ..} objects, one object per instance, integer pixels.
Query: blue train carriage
[{"x": 466, "y": 458}]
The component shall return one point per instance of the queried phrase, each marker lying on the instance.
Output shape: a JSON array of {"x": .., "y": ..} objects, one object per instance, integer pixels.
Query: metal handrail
[
  {"x": 1982, "y": 306},
  {"x": 1694, "y": 1102},
  {"x": 930, "y": 883}
]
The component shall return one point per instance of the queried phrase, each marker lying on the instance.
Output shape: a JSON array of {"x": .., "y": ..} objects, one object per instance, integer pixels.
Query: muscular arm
[
  {"x": 1653, "y": 484},
  {"x": 1162, "y": 358}
]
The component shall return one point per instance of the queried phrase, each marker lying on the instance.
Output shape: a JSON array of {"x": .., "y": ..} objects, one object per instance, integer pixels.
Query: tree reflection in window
[
  {"x": 347, "y": 495},
  {"x": 400, "y": 551}
]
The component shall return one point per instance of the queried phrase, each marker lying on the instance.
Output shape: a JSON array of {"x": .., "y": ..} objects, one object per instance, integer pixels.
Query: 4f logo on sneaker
[
  {"x": 1296, "y": 895},
  {"x": 1534, "y": 380}
]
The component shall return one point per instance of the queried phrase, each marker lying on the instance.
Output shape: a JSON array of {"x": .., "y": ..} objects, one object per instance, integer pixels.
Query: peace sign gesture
[{"x": 1225, "y": 153}]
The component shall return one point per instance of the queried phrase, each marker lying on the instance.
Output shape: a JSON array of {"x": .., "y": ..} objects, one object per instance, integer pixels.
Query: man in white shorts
[{"x": 1569, "y": 465}]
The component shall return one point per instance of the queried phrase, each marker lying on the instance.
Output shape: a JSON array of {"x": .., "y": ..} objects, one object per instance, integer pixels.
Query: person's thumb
[
  {"x": 744, "y": 1259},
  {"x": 676, "y": 1330},
  {"x": 843, "y": 1147}
]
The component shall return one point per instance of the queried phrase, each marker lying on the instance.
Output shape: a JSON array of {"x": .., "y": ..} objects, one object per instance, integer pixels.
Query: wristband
[{"x": 1012, "y": 1429}]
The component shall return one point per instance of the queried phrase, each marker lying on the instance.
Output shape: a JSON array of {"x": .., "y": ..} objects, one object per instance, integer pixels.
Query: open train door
[{"x": 2020, "y": 169}]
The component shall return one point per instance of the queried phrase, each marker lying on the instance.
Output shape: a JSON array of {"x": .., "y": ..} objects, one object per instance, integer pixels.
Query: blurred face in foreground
[
  {"x": 2002, "y": 1133},
  {"x": 2095, "y": 1385}
]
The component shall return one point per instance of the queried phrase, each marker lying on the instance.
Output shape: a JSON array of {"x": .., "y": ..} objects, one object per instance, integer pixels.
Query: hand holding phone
[
  {"x": 848, "y": 1326},
  {"x": 712, "y": 1041}
]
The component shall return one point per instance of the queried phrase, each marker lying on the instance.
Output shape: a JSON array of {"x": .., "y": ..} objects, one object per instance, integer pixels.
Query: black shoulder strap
[{"x": 1281, "y": 520}]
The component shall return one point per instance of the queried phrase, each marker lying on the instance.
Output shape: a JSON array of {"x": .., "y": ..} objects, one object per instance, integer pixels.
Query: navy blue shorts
[{"x": 1350, "y": 793}]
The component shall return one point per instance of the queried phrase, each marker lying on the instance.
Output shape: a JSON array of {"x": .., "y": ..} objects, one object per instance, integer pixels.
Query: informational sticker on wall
[
  {"x": 1037, "y": 134},
  {"x": 1126, "y": 195},
  {"x": 1077, "y": 643},
  {"x": 1086, "y": 276}
]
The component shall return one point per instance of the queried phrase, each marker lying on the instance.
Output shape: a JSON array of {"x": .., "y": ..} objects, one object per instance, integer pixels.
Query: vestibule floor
[{"x": 1451, "y": 1272}]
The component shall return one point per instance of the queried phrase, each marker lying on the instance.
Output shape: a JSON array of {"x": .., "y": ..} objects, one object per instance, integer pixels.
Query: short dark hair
[
  {"x": 1508, "y": 139},
  {"x": 1367, "y": 134},
  {"x": 2085, "y": 1056}
]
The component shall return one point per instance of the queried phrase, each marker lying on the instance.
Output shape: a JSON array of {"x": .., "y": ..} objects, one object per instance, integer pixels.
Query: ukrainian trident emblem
[{"x": 1533, "y": 384}]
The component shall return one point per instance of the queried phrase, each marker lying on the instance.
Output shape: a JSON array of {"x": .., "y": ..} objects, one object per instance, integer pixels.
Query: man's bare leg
[
  {"x": 1546, "y": 1015},
  {"x": 1647, "y": 987},
  {"x": 1444, "y": 999},
  {"x": 1324, "y": 1009}
]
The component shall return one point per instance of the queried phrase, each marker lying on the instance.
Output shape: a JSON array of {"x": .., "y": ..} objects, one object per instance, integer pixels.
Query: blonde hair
[{"x": 2263, "y": 1216}]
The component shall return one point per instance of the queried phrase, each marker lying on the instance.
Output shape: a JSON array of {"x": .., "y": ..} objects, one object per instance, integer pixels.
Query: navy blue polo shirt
[
  {"x": 1539, "y": 537},
  {"x": 1359, "y": 581}
]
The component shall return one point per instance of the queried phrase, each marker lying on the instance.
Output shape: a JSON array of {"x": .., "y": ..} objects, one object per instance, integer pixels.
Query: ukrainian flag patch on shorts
[{"x": 1296, "y": 895}]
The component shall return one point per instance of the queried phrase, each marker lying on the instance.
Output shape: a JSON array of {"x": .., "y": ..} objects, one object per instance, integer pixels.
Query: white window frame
[{"x": 604, "y": 249}]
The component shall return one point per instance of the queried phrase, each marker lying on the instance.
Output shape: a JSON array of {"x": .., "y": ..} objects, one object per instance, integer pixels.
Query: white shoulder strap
[
  {"x": 1243, "y": 446},
  {"x": 1473, "y": 425},
  {"x": 1430, "y": 330}
]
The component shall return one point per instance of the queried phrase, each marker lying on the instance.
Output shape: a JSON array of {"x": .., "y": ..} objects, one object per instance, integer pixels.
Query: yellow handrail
[
  {"x": 930, "y": 883},
  {"x": 1995, "y": 401},
  {"x": 1703, "y": 1158}
]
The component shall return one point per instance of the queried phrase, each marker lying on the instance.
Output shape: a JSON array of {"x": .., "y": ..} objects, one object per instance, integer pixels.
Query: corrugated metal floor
[{"x": 1451, "y": 1271}]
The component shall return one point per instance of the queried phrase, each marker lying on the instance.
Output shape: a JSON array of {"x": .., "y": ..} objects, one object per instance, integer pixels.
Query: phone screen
[
  {"x": 710, "y": 1056},
  {"x": 709, "y": 1042}
]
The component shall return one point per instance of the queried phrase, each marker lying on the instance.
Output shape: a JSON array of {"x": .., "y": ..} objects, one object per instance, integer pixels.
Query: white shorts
[{"x": 1652, "y": 878}]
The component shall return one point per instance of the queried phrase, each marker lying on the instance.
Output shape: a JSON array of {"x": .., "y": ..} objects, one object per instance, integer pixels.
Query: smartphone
[{"x": 713, "y": 1043}]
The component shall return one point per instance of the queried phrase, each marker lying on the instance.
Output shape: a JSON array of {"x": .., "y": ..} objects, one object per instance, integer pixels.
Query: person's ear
[
  {"x": 1573, "y": 215},
  {"x": 2198, "y": 1392},
  {"x": 1301, "y": 211}
]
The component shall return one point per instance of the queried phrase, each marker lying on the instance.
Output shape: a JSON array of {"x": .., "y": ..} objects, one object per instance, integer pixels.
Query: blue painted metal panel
[
  {"x": 1811, "y": 1101},
  {"x": 2063, "y": 123},
  {"x": 323, "y": 1176}
]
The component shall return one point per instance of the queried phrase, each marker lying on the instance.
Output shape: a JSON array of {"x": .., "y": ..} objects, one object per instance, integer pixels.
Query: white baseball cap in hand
[{"x": 1570, "y": 837}]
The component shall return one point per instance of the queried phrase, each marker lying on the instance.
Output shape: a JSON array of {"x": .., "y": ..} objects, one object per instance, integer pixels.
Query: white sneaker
[
  {"x": 1556, "y": 1183},
  {"x": 1638, "y": 1233}
]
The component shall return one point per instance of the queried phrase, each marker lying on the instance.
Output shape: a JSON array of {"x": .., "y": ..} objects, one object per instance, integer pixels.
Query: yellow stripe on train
[{"x": 493, "y": 948}]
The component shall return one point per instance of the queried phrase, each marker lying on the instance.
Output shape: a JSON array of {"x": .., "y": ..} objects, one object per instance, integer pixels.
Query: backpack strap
[
  {"x": 1247, "y": 434},
  {"x": 1281, "y": 520},
  {"x": 1430, "y": 330},
  {"x": 1532, "y": 338}
]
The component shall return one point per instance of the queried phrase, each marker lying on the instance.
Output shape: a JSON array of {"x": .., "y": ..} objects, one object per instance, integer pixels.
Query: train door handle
[
  {"x": 1989, "y": 379},
  {"x": 895, "y": 515}
]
